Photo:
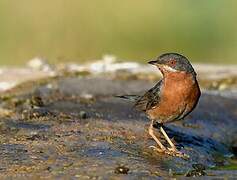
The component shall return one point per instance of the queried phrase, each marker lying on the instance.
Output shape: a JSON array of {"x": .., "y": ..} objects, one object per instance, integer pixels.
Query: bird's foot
[
  {"x": 177, "y": 153},
  {"x": 170, "y": 151},
  {"x": 158, "y": 149}
]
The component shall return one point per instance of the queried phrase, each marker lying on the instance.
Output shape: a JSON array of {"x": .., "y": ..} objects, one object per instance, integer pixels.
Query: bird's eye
[{"x": 172, "y": 62}]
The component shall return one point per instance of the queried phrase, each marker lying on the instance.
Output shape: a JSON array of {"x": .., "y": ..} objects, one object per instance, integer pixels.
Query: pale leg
[
  {"x": 162, "y": 149},
  {"x": 168, "y": 139},
  {"x": 172, "y": 151},
  {"x": 151, "y": 132}
]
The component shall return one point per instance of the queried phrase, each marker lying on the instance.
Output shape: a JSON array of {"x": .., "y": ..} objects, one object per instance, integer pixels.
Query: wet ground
[{"x": 74, "y": 127}]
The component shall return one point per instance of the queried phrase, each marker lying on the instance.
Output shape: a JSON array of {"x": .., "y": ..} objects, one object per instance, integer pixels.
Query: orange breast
[{"x": 179, "y": 96}]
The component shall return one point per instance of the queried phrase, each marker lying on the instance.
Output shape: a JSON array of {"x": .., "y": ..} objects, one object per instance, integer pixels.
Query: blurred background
[{"x": 82, "y": 30}]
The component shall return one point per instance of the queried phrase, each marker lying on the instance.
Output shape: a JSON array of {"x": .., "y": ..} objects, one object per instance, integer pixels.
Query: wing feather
[{"x": 150, "y": 99}]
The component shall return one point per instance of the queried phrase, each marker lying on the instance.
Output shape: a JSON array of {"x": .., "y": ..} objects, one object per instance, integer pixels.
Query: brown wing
[{"x": 150, "y": 99}]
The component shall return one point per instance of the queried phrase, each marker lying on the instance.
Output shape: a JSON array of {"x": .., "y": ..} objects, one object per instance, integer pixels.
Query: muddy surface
[{"x": 74, "y": 127}]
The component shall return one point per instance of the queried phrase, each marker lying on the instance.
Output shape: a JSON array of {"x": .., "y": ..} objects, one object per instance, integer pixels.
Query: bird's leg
[
  {"x": 162, "y": 149},
  {"x": 173, "y": 150},
  {"x": 168, "y": 139},
  {"x": 151, "y": 132}
]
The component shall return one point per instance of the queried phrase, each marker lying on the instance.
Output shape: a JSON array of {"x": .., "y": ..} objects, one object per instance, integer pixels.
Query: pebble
[
  {"x": 198, "y": 170},
  {"x": 83, "y": 114},
  {"x": 121, "y": 170}
]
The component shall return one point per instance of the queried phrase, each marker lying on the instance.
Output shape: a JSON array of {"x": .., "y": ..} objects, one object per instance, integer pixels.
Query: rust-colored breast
[{"x": 179, "y": 96}]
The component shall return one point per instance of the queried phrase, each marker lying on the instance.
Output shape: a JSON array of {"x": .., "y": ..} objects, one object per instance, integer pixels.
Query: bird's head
[{"x": 173, "y": 62}]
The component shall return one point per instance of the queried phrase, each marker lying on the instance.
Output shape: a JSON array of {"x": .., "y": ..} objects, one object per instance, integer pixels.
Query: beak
[{"x": 152, "y": 62}]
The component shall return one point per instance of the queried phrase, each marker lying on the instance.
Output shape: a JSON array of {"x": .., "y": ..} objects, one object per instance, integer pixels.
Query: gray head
[{"x": 173, "y": 62}]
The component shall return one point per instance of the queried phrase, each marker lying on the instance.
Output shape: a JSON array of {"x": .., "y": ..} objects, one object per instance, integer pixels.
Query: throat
[
  {"x": 179, "y": 81},
  {"x": 179, "y": 76}
]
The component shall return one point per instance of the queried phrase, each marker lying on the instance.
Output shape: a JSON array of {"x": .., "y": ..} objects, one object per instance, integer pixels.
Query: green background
[{"x": 76, "y": 30}]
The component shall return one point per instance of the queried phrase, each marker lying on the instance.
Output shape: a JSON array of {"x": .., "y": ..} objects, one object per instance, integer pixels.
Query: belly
[
  {"x": 167, "y": 111},
  {"x": 175, "y": 104}
]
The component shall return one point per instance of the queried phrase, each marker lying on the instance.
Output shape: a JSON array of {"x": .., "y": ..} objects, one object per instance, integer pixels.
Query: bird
[{"x": 171, "y": 99}]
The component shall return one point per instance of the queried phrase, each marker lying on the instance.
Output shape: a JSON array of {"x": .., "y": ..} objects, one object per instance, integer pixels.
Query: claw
[
  {"x": 171, "y": 151},
  {"x": 175, "y": 152},
  {"x": 157, "y": 149}
]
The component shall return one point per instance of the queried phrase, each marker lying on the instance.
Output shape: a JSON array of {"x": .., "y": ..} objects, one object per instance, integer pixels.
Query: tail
[{"x": 129, "y": 97}]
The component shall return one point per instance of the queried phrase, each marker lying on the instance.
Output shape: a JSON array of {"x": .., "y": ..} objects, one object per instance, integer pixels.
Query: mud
[{"x": 74, "y": 127}]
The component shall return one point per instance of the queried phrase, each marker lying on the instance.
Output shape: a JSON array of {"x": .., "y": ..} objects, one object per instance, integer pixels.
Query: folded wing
[{"x": 150, "y": 99}]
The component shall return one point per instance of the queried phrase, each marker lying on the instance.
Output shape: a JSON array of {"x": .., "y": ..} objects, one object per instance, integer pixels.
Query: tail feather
[{"x": 129, "y": 97}]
